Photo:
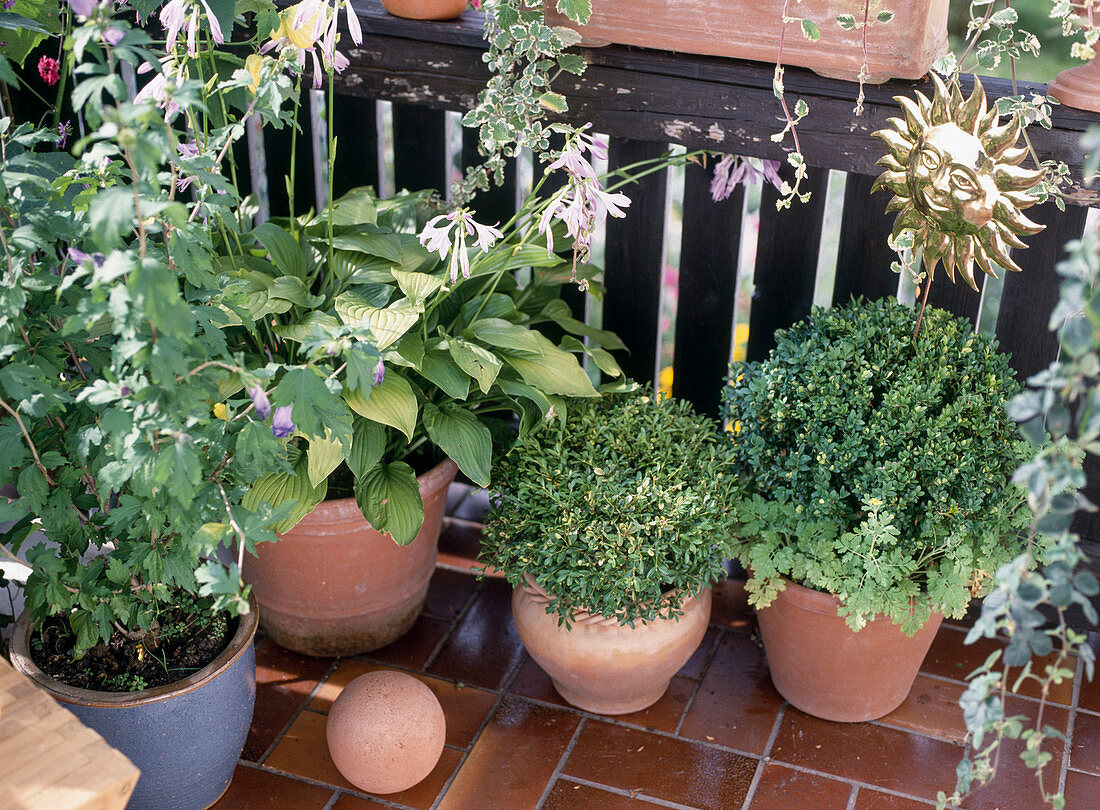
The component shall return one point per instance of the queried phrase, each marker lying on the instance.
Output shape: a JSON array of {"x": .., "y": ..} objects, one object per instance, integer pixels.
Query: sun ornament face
[{"x": 955, "y": 172}]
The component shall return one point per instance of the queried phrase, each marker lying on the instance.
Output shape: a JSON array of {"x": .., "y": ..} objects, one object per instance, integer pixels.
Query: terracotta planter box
[{"x": 904, "y": 48}]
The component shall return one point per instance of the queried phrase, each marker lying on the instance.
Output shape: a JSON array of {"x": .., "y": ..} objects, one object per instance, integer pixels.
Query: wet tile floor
[{"x": 720, "y": 738}]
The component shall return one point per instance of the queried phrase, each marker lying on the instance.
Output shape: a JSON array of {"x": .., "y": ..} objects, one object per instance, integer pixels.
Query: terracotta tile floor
[{"x": 720, "y": 738}]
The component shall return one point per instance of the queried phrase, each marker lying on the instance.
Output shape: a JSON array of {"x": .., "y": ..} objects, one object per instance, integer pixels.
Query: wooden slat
[
  {"x": 356, "y": 129},
  {"x": 709, "y": 248},
  {"x": 1029, "y": 297},
  {"x": 957, "y": 297},
  {"x": 786, "y": 261},
  {"x": 634, "y": 261},
  {"x": 419, "y": 148},
  {"x": 277, "y": 143},
  {"x": 864, "y": 258},
  {"x": 495, "y": 206}
]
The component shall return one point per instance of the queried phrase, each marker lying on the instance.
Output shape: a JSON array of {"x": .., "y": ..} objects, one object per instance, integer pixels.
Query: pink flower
[
  {"x": 732, "y": 170},
  {"x": 179, "y": 14},
  {"x": 49, "y": 70}
]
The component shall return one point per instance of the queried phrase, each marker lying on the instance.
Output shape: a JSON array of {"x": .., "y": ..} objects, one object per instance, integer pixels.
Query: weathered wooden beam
[{"x": 700, "y": 101}]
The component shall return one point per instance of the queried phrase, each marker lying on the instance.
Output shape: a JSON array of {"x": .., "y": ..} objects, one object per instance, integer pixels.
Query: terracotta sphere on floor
[{"x": 385, "y": 732}]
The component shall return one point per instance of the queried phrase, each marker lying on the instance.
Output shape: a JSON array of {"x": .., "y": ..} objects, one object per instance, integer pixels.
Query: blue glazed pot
[{"x": 185, "y": 738}]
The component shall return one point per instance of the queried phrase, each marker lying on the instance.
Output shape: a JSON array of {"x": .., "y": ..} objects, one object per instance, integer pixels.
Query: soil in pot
[
  {"x": 600, "y": 665},
  {"x": 824, "y": 668},
  {"x": 189, "y": 638}
]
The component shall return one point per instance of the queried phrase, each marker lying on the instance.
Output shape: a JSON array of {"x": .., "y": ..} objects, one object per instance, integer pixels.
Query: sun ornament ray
[{"x": 955, "y": 172}]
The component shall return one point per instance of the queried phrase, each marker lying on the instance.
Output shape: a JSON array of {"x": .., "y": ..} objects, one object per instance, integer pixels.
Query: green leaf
[
  {"x": 550, "y": 369},
  {"x": 315, "y": 324},
  {"x": 324, "y": 455},
  {"x": 357, "y": 207},
  {"x": 554, "y": 102},
  {"x": 810, "y": 30},
  {"x": 367, "y": 446},
  {"x": 479, "y": 363},
  {"x": 519, "y": 340},
  {"x": 386, "y": 325},
  {"x": 282, "y": 487},
  {"x": 463, "y": 438},
  {"x": 558, "y": 311},
  {"x": 315, "y": 406},
  {"x": 418, "y": 286},
  {"x": 392, "y": 402},
  {"x": 362, "y": 360},
  {"x": 389, "y": 498},
  {"x": 578, "y": 11},
  {"x": 438, "y": 367},
  {"x": 293, "y": 289},
  {"x": 286, "y": 253}
]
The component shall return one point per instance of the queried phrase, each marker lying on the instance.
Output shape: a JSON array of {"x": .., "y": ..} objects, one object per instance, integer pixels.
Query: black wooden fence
[{"x": 646, "y": 100}]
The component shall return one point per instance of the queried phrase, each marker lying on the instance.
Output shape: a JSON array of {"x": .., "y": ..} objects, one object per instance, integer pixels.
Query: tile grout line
[
  {"x": 331, "y": 803},
  {"x": 699, "y": 683},
  {"x": 853, "y": 782},
  {"x": 765, "y": 757},
  {"x": 509, "y": 678},
  {"x": 1067, "y": 747},
  {"x": 308, "y": 699},
  {"x": 561, "y": 764},
  {"x": 638, "y": 795},
  {"x": 1028, "y": 698},
  {"x": 308, "y": 780},
  {"x": 612, "y": 720},
  {"x": 479, "y": 586},
  {"x": 853, "y": 794}
]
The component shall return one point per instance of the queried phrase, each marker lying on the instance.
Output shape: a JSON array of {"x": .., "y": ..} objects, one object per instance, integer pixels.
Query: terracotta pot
[
  {"x": 332, "y": 585},
  {"x": 601, "y": 666},
  {"x": 425, "y": 9},
  {"x": 904, "y": 48},
  {"x": 185, "y": 738},
  {"x": 1080, "y": 86},
  {"x": 825, "y": 669}
]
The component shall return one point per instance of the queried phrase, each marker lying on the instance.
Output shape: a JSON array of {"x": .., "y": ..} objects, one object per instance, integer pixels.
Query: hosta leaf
[
  {"x": 286, "y": 253},
  {"x": 550, "y": 370},
  {"x": 387, "y": 325},
  {"x": 367, "y": 446},
  {"x": 518, "y": 340},
  {"x": 281, "y": 487},
  {"x": 463, "y": 438},
  {"x": 439, "y": 367},
  {"x": 323, "y": 456},
  {"x": 417, "y": 286},
  {"x": 392, "y": 403},
  {"x": 479, "y": 363},
  {"x": 314, "y": 324},
  {"x": 389, "y": 498}
]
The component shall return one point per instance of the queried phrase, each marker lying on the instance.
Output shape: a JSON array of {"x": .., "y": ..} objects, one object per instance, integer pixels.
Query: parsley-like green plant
[
  {"x": 613, "y": 507},
  {"x": 879, "y": 463}
]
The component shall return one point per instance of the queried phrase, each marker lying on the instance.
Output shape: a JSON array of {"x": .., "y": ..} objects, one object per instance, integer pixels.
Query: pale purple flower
[
  {"x": 81, "y": 8},
  {"x": 733, "y": 170},
  {"x": 452, "y": 237},
  {"x": 260, "y": 401},
  {"x": 159, "y": 89},
  {"x": 178, "y": 15},
  {"x": 188, "y": 149},
  {"x": 113, "y": 36},
  {"x": 379, "y": 372},
  {"x": 313, "y": 25},
  {"x": 78, "y": 256},
  {"x": 281, "y": 425}
]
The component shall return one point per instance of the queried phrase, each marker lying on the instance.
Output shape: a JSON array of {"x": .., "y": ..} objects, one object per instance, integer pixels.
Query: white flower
[
  {"x": 452, "y": 237},
  {"x": 179, "y": 14}
]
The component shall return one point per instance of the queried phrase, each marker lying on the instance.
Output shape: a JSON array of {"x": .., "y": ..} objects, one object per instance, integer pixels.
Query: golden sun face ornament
[{"x": 955, "y": 172}]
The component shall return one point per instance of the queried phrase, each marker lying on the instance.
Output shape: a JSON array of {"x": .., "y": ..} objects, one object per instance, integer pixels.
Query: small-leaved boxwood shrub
[
  {"x": 627, "y": 499},
  {"x": 878, "y": 468}
]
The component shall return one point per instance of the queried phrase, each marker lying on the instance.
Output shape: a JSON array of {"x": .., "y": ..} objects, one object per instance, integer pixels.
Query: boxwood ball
[{"x": 385, "y": 732}]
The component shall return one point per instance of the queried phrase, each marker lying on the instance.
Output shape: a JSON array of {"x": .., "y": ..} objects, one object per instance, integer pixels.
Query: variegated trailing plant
[{"x": 1060, "y": 415}]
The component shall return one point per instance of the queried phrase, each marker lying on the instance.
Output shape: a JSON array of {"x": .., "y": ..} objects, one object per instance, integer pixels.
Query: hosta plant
[
  {"x": 878, "y": 462},
  {"x": 614, "y": 507}
]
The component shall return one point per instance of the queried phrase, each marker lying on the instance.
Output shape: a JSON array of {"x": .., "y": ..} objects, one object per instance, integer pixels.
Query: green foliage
[
  {"x": 879, "y": 466},
  {"x": 610, "y": 508},
  {"x": 122, "y": 424},
  {"x": 1060, "y": 415},
  {"x": 457, "y": 358},
  {"x": 524, "y": 57}
]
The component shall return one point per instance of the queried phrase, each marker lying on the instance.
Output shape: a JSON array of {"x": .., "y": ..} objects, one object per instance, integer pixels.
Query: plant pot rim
[
  {"x": 823, "y": 602},
  {"x": 21, "y": 660},
  {"x": 581, "y": 616}
]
